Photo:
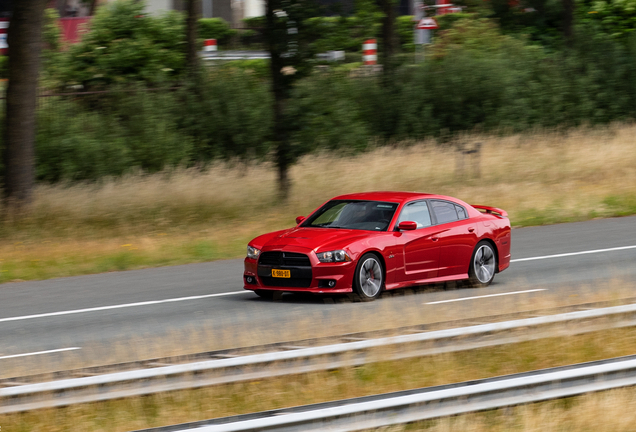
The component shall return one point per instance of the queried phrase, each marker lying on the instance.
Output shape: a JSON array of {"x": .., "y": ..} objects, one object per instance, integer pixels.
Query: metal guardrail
[
  {"x": 303, "y": 360},
  {"x": 431, "y": 402},
  {"x": 296, "y": 344},
  {"x": 235, "y": 55}
]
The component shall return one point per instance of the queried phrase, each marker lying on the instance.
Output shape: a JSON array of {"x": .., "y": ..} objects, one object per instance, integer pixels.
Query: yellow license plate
[{"x": 281, "y": 273}]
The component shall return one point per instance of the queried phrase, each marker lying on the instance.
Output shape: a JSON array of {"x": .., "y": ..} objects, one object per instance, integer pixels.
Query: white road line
[
  {"x": 154, "y": 302},
  {"x": 119, "y": 306},
  {"x": 485, "y": 296},
  {"x": 573, "y": 254},
  {"x": 40, "y": 352}
]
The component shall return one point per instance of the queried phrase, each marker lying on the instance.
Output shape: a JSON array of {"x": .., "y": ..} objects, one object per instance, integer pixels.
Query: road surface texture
[{"x": 149, "y": 313}]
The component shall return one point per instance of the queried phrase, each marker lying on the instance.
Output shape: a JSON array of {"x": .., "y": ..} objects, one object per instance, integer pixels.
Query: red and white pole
[
  {"x": 4, "y": 26},
  {"x": 210, "y": 45},
  {"x": 443, "y": 6},
  {"x": 370, "y": 52}
]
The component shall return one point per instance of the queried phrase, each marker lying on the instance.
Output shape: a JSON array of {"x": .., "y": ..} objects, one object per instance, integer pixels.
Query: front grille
[
  {"x": 298, "y": 264},
  {"x": 286, "y": 283},
  {"x": 284, "y": 259}
]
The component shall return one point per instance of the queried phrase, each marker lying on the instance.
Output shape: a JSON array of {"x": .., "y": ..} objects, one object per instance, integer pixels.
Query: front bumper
[{"x": 315, "y": 279}]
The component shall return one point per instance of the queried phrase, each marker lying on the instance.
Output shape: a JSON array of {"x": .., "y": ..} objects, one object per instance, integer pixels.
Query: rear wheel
[
  {"x": 483, "y": 265},
  {"x": 368, "y": 280}
]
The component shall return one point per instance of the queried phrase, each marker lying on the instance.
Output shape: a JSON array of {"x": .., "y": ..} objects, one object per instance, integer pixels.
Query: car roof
[{"x": 390, "y": 196}]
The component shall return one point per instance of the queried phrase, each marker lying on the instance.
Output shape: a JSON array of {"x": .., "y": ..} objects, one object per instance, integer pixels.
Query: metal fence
[
  {"x": 431, "y": 402},
  {"x": 303, "y": 360}
]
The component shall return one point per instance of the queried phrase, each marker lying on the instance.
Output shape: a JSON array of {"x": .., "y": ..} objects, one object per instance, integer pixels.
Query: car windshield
[{"x": 353, "y": 214}]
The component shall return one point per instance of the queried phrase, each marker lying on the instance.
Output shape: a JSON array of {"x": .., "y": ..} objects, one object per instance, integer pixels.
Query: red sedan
[{"x": 369, "y": 242}]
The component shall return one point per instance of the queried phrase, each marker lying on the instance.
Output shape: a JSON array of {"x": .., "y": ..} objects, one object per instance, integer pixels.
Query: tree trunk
[
  {"x": 192, "y": 59},
  {"x": 283, "y": 159},
  {"x": 25, "y": 41},
  {"x": 93, "y": 7},
  {"x": 388, "y": 36},
  {"x": 568, "y": 19}
]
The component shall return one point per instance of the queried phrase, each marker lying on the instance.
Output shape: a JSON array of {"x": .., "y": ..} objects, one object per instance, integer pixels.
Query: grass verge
[
  {"x": 609, "y": 411},
  {"x": 195, "y": 215},
  {"x": 191, "y": 405}
]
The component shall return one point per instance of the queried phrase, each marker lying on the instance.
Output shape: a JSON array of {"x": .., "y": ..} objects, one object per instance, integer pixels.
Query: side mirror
[
  {"x": 407, "y": 226},
  {"x": 299, "y": 219}
]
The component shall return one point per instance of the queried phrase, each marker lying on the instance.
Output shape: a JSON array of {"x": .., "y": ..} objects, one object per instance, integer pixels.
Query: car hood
[{"x": 309, "y": 238}]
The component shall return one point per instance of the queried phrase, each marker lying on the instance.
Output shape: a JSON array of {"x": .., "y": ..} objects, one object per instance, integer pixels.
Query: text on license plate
[{"x": 281, "y": 273}]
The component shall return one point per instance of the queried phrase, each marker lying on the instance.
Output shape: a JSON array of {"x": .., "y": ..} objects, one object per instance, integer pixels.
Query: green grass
[{"x": 128, "y": 257}]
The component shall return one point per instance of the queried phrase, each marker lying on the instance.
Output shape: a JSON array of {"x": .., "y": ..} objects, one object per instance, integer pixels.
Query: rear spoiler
[{"x": 491, "y": 210}]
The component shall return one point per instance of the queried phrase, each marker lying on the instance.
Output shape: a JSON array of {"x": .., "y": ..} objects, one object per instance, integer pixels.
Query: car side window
[
  {"x": 461, "y": 212},
  {"x": 416, "y": 212},
  {"x": 444, "y": 211}
]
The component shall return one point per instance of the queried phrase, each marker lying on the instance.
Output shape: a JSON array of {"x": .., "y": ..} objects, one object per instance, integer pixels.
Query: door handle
[
  {"x": 471, "y": 229},
  {"x": 434, "y": 238}
]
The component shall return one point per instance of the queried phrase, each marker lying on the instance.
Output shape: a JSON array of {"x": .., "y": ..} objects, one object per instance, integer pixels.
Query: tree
[
  {"x": 25, "y": 41},
  {"x": 123, "y": 46},
  {"x": 568, "y": 19},
  {"x": 93, "y": 7},
  {"x": 192, "y": 59},
  {"x": 388, "y": 8},
  {"x": 287, "y": 46}
]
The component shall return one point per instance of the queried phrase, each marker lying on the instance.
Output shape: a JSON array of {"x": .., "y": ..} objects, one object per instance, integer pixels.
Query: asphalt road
[{"x": 150, "y": 308}]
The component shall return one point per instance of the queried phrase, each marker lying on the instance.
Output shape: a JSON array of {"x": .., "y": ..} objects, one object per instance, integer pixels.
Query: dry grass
[
  {"x": 183, "y": 406},
  {"x": 610, "y": 411},
  {"x": 193, "y": 215}
]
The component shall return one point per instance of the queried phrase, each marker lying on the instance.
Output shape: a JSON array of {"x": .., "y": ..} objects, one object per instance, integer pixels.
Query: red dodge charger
[{"x": 369, "y": 242}]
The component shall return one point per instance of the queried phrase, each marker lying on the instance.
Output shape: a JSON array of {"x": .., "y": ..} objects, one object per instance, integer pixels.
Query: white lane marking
[
  {"x": 119, "y": 306},
  {"x": 485, "y": 296},
  {"x": 40, "y": 352},
  {"x": 101, "y": 308},
  {"x": 574, "y": 253}
]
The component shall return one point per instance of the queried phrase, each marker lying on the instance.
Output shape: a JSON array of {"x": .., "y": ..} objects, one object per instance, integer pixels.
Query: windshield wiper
[{"x": 326, "y": 225}]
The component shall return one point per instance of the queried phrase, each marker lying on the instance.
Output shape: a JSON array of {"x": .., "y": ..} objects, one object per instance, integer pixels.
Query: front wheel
[
  {"x": 483, "y": 265},
  {"x": 368, "y": 280}
]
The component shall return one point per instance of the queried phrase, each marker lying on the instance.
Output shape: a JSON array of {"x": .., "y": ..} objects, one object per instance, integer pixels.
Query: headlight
[
  {"x": 333, "y": 256},
  {"x": 252, "y": 252}
]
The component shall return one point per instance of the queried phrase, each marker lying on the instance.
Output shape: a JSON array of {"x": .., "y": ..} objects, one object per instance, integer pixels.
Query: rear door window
[
  {"x": 444, "y": 211},
  {"x": 461, "y": 212}
]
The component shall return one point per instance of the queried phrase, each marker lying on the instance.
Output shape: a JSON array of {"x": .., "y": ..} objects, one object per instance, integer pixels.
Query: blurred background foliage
[
  {"x": 484, "y": 71},
  {"x": 123, "y": 46}
]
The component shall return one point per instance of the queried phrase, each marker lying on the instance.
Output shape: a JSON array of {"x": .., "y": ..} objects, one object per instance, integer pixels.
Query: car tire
[
  {"x": 368, "y": 280},
  {"x": 483, "y": 265}
]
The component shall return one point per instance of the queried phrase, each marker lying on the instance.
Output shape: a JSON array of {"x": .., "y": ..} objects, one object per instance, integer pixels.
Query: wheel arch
[
  {"x": 495, "y": 248},
  {"x": 378, "y": 254}
]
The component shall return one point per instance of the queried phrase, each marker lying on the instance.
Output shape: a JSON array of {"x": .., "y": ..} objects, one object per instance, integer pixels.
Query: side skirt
[{"x": 456, "y": 277}]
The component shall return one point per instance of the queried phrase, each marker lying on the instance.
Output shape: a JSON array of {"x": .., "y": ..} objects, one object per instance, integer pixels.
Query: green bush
[
  {"x": 4, "y": 64},
  {"x": 473, "y": 76},
  {"x": 253, "y": 34},
  {"x": 259, "y": 67},
  {"x": 124, "y": 46},
  {"x": 76, "y": 144},
  {"x": 324, "y": 115},
  {"x": 229, "y": 116},
  {"x": 215, "y": 28},
  {"x": 133, "y": 129},
  {"x": 405, "y": 29},
  {"x": 447, "y": 21}
]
